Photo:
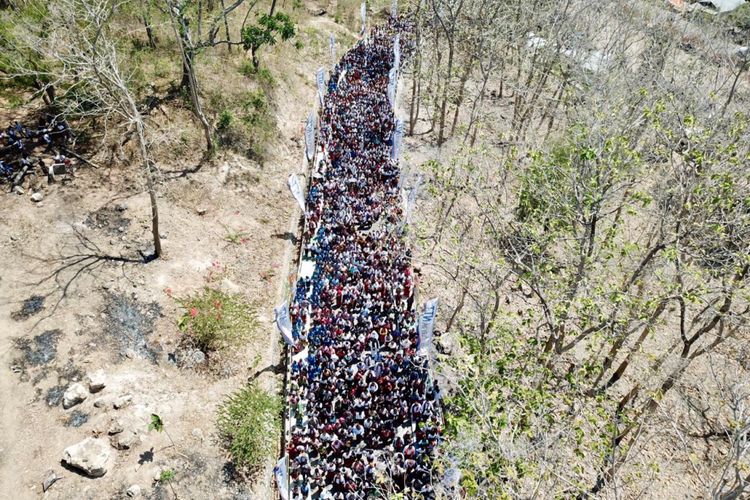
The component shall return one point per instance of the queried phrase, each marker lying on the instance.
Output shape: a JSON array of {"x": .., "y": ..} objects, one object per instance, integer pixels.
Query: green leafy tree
[{"x": 266, "y": 32}]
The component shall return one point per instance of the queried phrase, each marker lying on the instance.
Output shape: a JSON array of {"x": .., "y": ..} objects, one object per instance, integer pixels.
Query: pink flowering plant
[{"x": 213, "y": 320}]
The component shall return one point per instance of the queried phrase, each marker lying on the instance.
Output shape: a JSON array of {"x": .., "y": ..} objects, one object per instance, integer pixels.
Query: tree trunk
[
  {"x": 148, "y": 168},
  {"x": 226, "y": 26},
  {"x": 273, "y": 7},
  {"x": 189, "y": 80},
  {"x": 444, "y": 97},
  {"x": 460, "y": 100},
  {"x": 146, "y": 18}
]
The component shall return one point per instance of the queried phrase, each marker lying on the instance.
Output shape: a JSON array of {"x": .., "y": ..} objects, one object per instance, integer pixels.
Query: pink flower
[
  {"x": 193, "y": 312},
  {"x": 168, "y": 291}
]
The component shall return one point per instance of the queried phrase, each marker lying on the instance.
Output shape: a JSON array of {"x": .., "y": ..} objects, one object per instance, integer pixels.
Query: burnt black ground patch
[
  {"x": 40, "y": 350},
  {"x": 128, "y": 323},
  {"x": 30, "y": 307},
  {"x": 76, "y": 419},
  {"x": 109, "y": 219},
  {"x": 55, "y": 395}
]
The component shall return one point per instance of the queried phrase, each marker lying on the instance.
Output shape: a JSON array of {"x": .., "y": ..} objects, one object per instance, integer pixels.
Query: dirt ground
[{"x": 76, "y": 296}]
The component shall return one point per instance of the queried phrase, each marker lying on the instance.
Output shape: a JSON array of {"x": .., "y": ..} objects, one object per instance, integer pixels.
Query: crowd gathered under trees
[{"x": 587, "y": 230}]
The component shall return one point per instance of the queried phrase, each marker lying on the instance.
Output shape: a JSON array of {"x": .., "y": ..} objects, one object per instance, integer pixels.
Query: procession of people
[{"x": 365, "y": 416}]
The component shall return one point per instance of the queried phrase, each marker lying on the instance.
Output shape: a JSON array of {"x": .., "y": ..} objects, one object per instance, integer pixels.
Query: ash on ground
[
  {"x": 30, "y": 307},
  {"x": 109, "y": 219},
  {"x": 128, "y": 323}
]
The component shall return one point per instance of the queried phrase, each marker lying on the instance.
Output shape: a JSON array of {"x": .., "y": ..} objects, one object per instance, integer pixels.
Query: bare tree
[{"x": 85, "y": 64}]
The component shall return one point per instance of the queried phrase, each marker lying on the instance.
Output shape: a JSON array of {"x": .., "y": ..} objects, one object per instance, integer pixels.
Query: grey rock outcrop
[{"x": 89, "y": 456}]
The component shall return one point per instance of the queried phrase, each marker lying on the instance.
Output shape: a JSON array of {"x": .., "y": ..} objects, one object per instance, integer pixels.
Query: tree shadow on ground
[
  {"x": 286, "y": 236},
  {"x": 74, "y": 261},
  {"x": 276, "y": 369}
]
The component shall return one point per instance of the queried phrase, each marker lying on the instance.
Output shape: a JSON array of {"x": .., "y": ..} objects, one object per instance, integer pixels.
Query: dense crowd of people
[
  {"x": 22, "y": 148},
  {"x": 365, "y": 415}
]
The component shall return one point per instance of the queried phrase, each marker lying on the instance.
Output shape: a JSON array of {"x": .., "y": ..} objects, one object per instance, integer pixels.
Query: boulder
[
  {"x": 122, "y": 401},
  {"x": 89, "y": 456},
  {"x": 124, "y": 440},
  {"x": 96, "y": 381},
  {"x": 50, "y": 478},
  {"x": 74, "y": 394},
  {"x": 37, "y": 197},
  {"x": 116, "y": 427}
]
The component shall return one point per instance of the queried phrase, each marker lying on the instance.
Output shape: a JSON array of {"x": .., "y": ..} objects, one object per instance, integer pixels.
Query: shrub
[
  {"x": 225, "y": 119},
  {"x": 250, "y": 421},
  {"x": 266, "y": 78},
  {"x": 214, "y": 320},
  {"x": 247, "y": 69}
]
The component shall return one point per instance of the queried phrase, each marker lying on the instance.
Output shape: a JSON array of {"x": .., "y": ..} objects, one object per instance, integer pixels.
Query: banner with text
[
  {"x": 427, "y": 324},
  {"x": 310, "y": 136},
  {"x": 296, "y": 190},
  {"x": 397, "y": 51},
  {"x": 398, "y": 136},
  {"x": 363, "y": 15},
  {"x": 392, "y": 82},
  {"x": 321, "y": 81},
  {"x": 281, "y": 472},
  {"x": 284, "y": 322}
]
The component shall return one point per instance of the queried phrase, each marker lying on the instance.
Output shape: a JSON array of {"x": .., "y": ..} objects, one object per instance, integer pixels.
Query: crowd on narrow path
[{"x": 365, "y": 414}]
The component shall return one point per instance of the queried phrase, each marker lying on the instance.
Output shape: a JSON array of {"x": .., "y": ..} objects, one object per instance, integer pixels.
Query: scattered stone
[
  {"x": 201, "y": 211},
  {"x": 130, "y": 353},
  {"x": 18, "y": 190},
  {"x": 96, "y": 381},
  {"x": 89, "y": 456},
  {"x": 115, "y": 428},
  {"x": 13, "y": 237},
  {"x": 50, "y": 478},
  {"x": 75, "y": 394},
  {"x": 37, "y": 197},
  {"x": 189, "y": 358},
  {"x": 124, "y": 440},
  {"x": 157, "y": 475},
  {"x": 122, "y": 402},
  {"x": 100, "y": 403},
  {"x": 134, "y": 491}
]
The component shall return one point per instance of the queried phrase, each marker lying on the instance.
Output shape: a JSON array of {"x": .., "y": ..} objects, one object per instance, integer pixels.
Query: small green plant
[
  {"x": 157, "y": 424},
  {"x": 249, "y": 421},
  {"x": 266, "y": 78},
  {"x": 166, "y": 477},
  {"x": 225, "y": 120},
  {"x": 247, "y": 69},
  {"x": 214, "y": 320},
  {"x": 236, "y": 237}
]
